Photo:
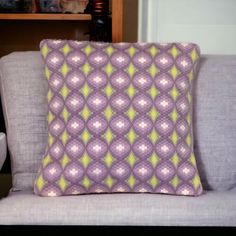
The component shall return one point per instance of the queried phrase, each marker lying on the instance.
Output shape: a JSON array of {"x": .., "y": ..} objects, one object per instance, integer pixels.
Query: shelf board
[{"x": 43, "y": 16}]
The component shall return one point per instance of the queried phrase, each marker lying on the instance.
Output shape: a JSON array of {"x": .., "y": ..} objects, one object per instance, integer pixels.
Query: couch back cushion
[{"x": 24, "y": 89}]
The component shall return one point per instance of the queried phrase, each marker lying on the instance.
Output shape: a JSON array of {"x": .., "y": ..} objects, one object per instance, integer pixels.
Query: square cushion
[{"x": 119, "y": 118}]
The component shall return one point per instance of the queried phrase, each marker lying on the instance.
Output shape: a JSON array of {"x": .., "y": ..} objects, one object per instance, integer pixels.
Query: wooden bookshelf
[{"x": 42, "y": 16}]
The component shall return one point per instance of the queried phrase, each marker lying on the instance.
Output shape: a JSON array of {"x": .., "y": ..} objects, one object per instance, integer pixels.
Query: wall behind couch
[{"x": 210, "y": 23}]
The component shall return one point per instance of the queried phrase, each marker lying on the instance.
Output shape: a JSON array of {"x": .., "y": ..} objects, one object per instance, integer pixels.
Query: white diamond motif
[
  {"x": 120, "y": 171},
  {"x": 142, "y": 102},
  {"x": 164, "y": 148},
  {"x": 120, "y": 102},
  {"x": 184, "y": 63},
  {"x": 163, "y": 60},
  {"x": 73, "y": 172},
  {"x": 143, "y": 147},
  {"x": 164, "y": 126},
  {"x": 74, "y": 102},
  {"x": 75, "y": 79},
  {"x": 52, "y": 194},
  {"x": 142, "y": 171},
  {"x": 120, "y": 59},
  {"x": 120, "y": 148},
  {"x": 52, "y": 171},
  {"x": 165, "y": 171},
  {"x": 76, "y": 59},
  {"x": 164, "y": 103},
  {"x": 185, "y": 192},
  {"x": 97, "y": 124},
  {"x": 56, "y": 127},
  {"x": 97, "y": 148},
  {"x": 74, "y": 125},
  {"x": 98, "y": 59},
  {"x": 142, "y": 125},
  {"x": 186, "y": 170},
  {"x": 142, "y": 60},
  {"x": 120, "y": 124},
  {"x": 120, "y": 80},
  {"x": 97, "y": 171},
  {"x": 54, "y": 60},
  {"x": 97, "y": 101},
  {"x": 74, "y": 148}
]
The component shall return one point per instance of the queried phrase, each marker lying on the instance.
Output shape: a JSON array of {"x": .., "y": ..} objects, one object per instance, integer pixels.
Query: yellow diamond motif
[
  {"x": 62, "y": 183},
  {"x": 49, "y": 95},
  {"x": 108, "y": 113},
  {"x": 88, "y": 49},
  {"x": 86, "y": 182},
  {"x": 64, "y": 91},
  {"x": 154, "y": 159},
  {"x": 131, "y": 136},
  {"x": 86, "y": 68},
  {"x": 153, "y": 92},
  {"x": 108, "y": 159},
  {"x": 65, "y": 160},
  {"x": 188, "y": 140},
  {"x": 85, "y": 90},
  {"x": 174, "y": 93},
  {"x": 131, "y": 113},
  {"x": 85, "y": 113},
  {"x": 108, "y": 69},
  {"x": 174, "y": 138},
  {"x": 108, "y": 90},
  {"x": 154, "y": 136},
  {"x": 153, "y": 181},
  {"x": 153, "y": 51},
  {"x": 189, "y": 119},
  {"x": 109, "y": 181},
  {"x": 45, "y": 50},
  {"x": 108, "y": 136},
  {"x": 174, "y": 72},
  {"x": 175, "y": 181},
  {"x": 66, "y": 49},
  {"x": 174, "y": 51},
  {"x": 196, "y": 181},
  {"x": 131, "y": 181},
  {"x": 192, "y": 160},
  {"x": 46, "y": 161},
  {"x": 153, "y": 114},
  {"x": 175, "y": 160},
  {"x": 174, "y": 115},
  {"x": 109, "y": 50},
  {"x": 65, "y": 69},
  {"x": 131, "y": 91},
  {"x": 47, "y": 73},
  {"x": 190, "y": 75},
  {"x": 64, "y": 137},
  {"x": 131, "y": 70},
  {"x": 50, "y": 139},
  {"x": 65, "y": 114},
  {"x": 50, "y": 117},
  {"x": 40, "y": 183},
  {"x": 131, "y": 159},
  {"x": 189, "y": 97},
  {"x": 85, "y": 160},
  {"x": 153, "y": 70},
  {"x": 85, "y": 136},
  {"x": 131, "y": 51},
  {"x": 194, "y": 55}
]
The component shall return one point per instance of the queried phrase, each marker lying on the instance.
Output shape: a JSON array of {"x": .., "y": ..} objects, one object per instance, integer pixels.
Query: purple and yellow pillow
[{"x": 119, "y": 118}]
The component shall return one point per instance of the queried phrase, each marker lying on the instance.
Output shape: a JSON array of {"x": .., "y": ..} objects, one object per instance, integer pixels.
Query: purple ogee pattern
[{"x": 119, "y": 118}]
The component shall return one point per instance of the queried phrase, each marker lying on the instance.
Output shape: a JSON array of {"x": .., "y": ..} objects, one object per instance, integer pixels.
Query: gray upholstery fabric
[
  {"x": 210, "y": 209},
  {"x": 23, "y": 93},
  {"x": 24, "y": 88},
  {"x": 215, "y": 122},
  {"x": 3, "y": 149}
]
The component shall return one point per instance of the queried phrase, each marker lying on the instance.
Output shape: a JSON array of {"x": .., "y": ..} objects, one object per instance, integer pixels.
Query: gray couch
[{"x": 23, "y": 93}]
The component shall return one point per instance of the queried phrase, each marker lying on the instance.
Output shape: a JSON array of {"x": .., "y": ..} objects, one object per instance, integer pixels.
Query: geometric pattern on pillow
[{"x": 119, "y": 118}]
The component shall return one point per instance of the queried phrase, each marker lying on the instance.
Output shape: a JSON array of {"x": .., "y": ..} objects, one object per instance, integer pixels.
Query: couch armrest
[{"x": 3, "y": 149}]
